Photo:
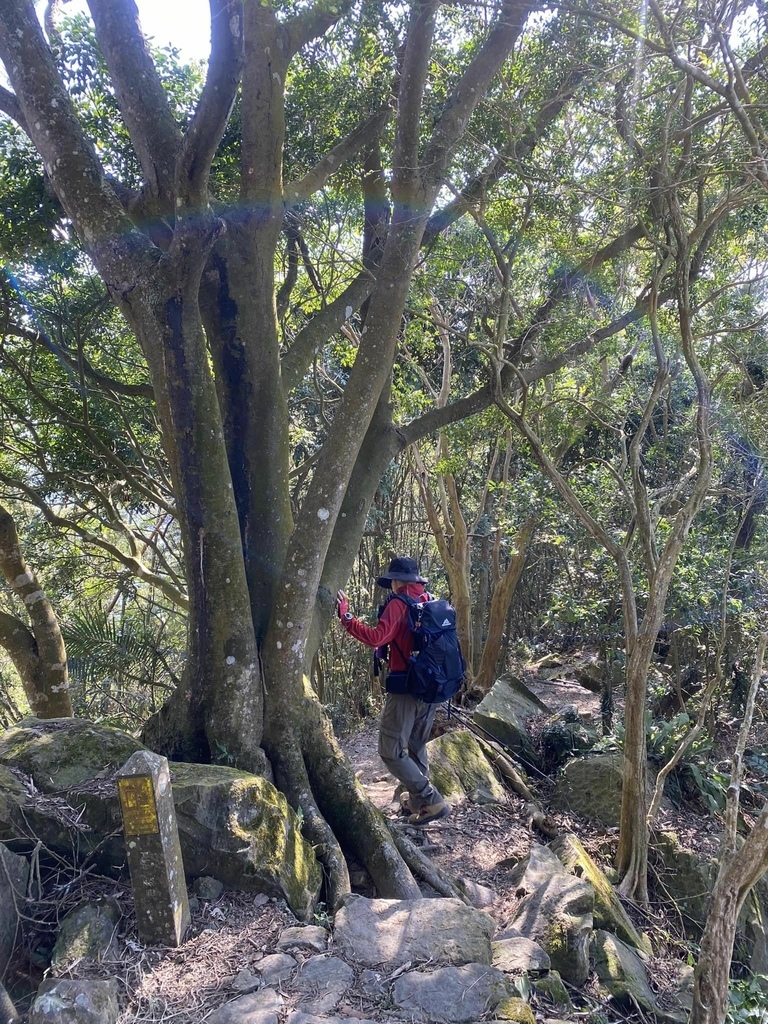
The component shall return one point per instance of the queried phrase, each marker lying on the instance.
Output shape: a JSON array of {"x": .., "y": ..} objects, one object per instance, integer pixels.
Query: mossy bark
[{"x": 37, "y": 647}]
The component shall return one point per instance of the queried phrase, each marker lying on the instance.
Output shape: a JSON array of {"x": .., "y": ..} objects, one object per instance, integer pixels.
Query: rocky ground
[{"x": 216, "y": 976}]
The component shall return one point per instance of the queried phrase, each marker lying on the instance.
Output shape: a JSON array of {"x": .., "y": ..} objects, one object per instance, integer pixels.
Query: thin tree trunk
[
  {"x": 502, "y": 596},
  {"x": 739, "y": 872}
]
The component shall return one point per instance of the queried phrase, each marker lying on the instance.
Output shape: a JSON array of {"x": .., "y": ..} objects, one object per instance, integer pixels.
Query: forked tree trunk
[
  {"x": 503, "y": 593},
  {"x": 253, "y": 573},
  {"x": 36, "y": 649}
]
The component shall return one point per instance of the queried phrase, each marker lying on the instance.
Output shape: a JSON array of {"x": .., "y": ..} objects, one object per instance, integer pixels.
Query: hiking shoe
[
  {"x": 407, "y": 804},
  {"x": 429, "y": 813}
]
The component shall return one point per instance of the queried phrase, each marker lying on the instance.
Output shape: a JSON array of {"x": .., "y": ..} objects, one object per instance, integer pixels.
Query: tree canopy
[{"x": 232, "y": 297}]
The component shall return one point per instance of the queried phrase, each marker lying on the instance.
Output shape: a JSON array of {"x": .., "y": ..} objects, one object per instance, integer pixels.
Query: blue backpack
[{"x": 437, "y": 667}]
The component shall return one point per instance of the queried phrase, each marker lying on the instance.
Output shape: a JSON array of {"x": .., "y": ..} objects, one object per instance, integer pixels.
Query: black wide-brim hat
[{"x": 406, "y": 570}]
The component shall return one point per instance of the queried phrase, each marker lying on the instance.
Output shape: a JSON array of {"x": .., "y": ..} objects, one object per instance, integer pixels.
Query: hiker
[{"x": 406, "y": 721}]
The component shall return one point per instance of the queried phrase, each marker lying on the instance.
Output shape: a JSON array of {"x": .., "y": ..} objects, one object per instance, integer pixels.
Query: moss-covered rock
[
  {"x": 684, "y": 877},
  {"x": 63, "y": 753},
  {"x": 591, "y": 788},
  {"x": 609, "y": 914},
  {"x": 13, "y": 796},
  {"x": 688, "y": 878},
  {"x": 86, "y": 933},
  {"x": 233, "y": 825},
  {"x": 451, "y": 995},
  {"x": 621, "y": 972},
  {"x": 515, "y": 1010},
  {"x": 458, "y": 767},
  {"x": 238, "y": 828},
  {"x": 552, "y": 988},
  {"x": 558, "y": 916},
  {"x": 505, "y": 711}
]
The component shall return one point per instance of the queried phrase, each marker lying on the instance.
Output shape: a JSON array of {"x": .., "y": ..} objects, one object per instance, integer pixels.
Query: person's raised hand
[{"x": 342, "y": 604}]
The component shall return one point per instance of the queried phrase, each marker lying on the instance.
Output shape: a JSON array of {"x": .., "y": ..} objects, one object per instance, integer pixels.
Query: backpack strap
[{"x": 410, "y": 602}]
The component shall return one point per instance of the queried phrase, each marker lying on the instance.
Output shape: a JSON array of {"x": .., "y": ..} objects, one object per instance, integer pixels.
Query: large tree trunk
[
  {"x": 226, "y": 718},
  {"x": 253, "y": 574}
]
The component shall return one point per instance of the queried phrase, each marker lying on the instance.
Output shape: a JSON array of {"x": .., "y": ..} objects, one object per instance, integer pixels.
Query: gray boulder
[
  {"x": 591, "y": 788},
  {"x": 14, "y": 875},
  {"x": 245, "y": 982},
  {"x": 256, "y": 1008},
  {"x": 322, "y": 982},
  {"x": 505, "y": 712},
  {"x": 392, "y": 932},
  {"x": 558, "y": 916},
  {"x": 240, "y": 830},
  {"x": 535, "y": 870},
  {"x": 311, "y": 937},
  {"x": 520, "y": 955},
  {"x": 67, "y": 1001},
  {"x": 609, "y": 913},
  {"x": 621, "y": 972},
  {"x": 458, "y": 767},
  {"x": 480, "y": 896},
  {"x": 207, "y": 888},
  {"x": 452, "y": 994},
  {"x": 86, "y": 933},
  {"x": 275, "y": 968}
]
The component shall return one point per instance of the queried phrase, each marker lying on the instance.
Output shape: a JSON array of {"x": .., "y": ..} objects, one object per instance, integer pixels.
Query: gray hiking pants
[{"x": 406, "y": 723}]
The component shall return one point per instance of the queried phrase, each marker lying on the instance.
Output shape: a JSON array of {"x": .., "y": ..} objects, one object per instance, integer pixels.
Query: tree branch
[
  {"x": 413, "y": 79},
  {"x": 225, "y": 66},
  {"x": 10, "y": 105},
  {"x": 302, "y": 188},
  {"x": 53, "y": 126},
  {"x": 74, "y": 363},
  {"x": 139, "y": 91},
  {"x": 313, "y": 22},
  {"x": 472, "y": 86},
  {"x": 435, "y": 419},
  {"x": 133, "y": 563},
  {"x": 311, "y": 338}
]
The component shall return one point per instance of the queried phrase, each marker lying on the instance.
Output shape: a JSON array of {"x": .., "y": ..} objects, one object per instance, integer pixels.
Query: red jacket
[{"x": 393, "y": 628}]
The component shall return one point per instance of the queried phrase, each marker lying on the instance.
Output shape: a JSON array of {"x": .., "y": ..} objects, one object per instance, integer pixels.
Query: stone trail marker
[{"x": 154, "y": 853}]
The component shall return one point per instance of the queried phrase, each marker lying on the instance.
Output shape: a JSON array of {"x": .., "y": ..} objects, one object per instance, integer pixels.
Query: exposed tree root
[
  {"x": 292, "y": 779},
  {"x": 360, "y": 827},
  {"x": 506, "y": 769},
  {"x": 422, "y": 867}
]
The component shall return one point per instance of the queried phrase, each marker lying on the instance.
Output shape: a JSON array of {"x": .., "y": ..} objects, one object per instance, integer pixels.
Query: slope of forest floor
[{"x": 477, "y": 842}]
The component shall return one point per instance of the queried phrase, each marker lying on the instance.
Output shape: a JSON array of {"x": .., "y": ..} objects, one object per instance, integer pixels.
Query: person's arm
[{"x": 380, "y": 634}]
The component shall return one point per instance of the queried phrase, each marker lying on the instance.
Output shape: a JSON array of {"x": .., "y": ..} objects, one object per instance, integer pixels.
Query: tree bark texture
[{"x": 36, "y": 649}]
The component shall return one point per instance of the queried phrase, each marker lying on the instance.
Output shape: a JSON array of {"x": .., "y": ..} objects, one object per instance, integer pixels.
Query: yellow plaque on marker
[{"x": 137, "y": 800}]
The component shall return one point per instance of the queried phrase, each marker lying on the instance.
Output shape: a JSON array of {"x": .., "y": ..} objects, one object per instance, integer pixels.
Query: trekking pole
[{"x": 467, "y": 723}]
